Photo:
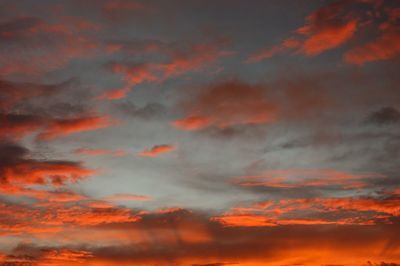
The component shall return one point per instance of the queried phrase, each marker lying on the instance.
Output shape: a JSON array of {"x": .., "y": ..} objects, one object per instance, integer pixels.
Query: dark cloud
[
  {"x": 13, "y": 93},
  {"x": 31, "y": 255},
  {"x": 18, "y": 169},
  {"x": 384, "y": 116},
  {"x": 17, "y": 28}
]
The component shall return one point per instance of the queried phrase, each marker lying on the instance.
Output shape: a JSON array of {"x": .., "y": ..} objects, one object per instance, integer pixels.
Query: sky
[{"x": 199, "y": 132}]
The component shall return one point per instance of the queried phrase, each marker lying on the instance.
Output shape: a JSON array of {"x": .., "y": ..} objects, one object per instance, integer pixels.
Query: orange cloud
[
  {"x": 65, "y": 255},
  {"x": 54, "y": 217},
  {"x": 99, "y": 152},
  {"x": 16, "y": 126},
  {"x": 80, "y": 215},
  {"x": 31, "y": 255},
  {"x": 128, "y": 197},
  {"x": 21, "y": 115},
  {"x": 197, "y": 57},
  {"x": 23, "y": 176},
  {"x": 384, "y": 47},
  {"x": 193, "y": 122},
  {"x": 202, "y": 241},
  {"x": 327, "y": 28},
  {"x": 328, "y": 37},
  {"x": 333, "y": 25},
  {"x": 286, "y": 46},
  {"x": 157, "y": 150},
  {"x": 43, "y": 195},
  {"x": 292, "y": 178},
  {"x": 180, "y": 62},
  {"x": 228, "y": 104},
  {"x": 36, "y": 172},
  {"x": 339, "y": 211},
  {"x": 244, "y": 220},
  {"x": 253, "y": 220},
  {"x": 64, "y": 127},
  {"x": 115, "y": 94}
]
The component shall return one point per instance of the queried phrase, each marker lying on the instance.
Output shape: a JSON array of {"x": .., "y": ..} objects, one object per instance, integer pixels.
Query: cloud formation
[
  {"x": 157, "y": 150},
  {"x": 234, "y": 163},
  {"x": 335, "y": 24}
]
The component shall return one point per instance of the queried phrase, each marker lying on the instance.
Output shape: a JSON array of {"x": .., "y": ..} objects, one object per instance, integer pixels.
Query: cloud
[
  {"x": 286, "y": 46},
  {"x": 329, "y": 38},
  {"x": 157, "y": 150},
  {"x": 335, "y": 24},
  {"x": 18, "y": 169},
  {"x": 173, "y": 234},
  {"x": 180, "y": 61},
  {"x": 147, "y": 112},
  {"x": 27, "y": 108},
  {"x": 230, "y": 103},
  {"x": 63, "y": 127},
  {"x": 33, "y": 46},
  {"x": 19, "y": 125},
  {"x": 193, "y": 122},
  {"x": 127, "y": 197},
  {"x": 61, "y": 217},
  {"x": 326, "y": 28},
  {"x": 115, "y": 94},
  {"x": 100, "y": 152},
  {"x": 55, "y": 196},
  {"x": 384, "y": 116},
  {"x": 312, "y": 211},
  {"x": 185, "y": 237},
  {"x": 52, "y": 218},
  {"x": 12, "y": 93},
  {"x": 31, "y": 255},
  {"x": 227, "y": 104},
  {"x": 296, "y": 178},
  {"x": 86, "y": 216},
  {"x": 384, "y": 47}
]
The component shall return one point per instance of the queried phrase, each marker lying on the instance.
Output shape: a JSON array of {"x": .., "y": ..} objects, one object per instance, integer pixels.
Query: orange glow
[
  {"x": 192, "y": 122},
  {"x": 328, "y": 38},
  {"x": 59, "y": 128},
  {"x": 292, "y": 178},
  {"x": 157, "y": 150},
  {"x": 128, "y": 197},
  {"x": 385, "y": 47},
  {"x": 44, "y": 173},
  {"x": 228, "y": 104},
  {"x": 115, "y": 94}
]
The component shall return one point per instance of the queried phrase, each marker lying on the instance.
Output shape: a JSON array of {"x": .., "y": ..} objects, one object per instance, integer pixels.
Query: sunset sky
[{"x": 199, "y": 132}]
